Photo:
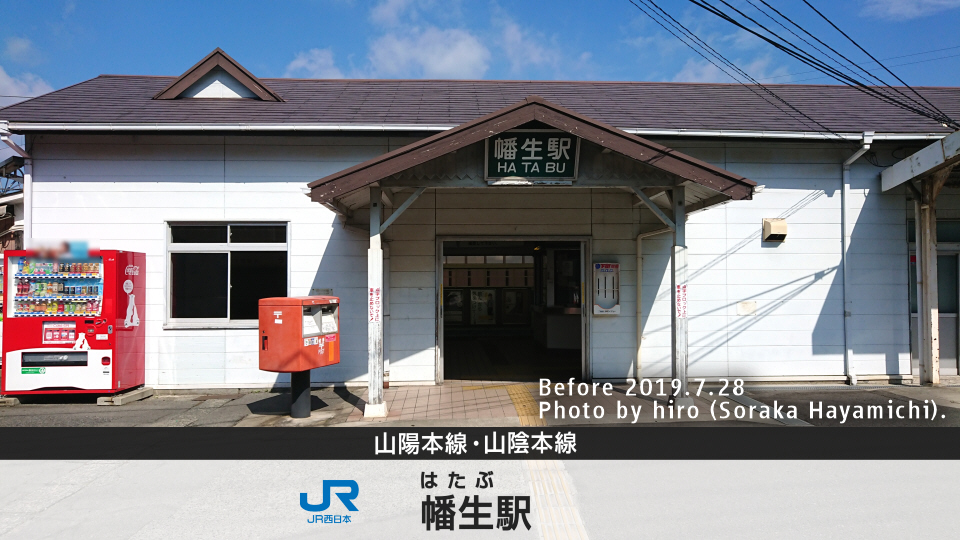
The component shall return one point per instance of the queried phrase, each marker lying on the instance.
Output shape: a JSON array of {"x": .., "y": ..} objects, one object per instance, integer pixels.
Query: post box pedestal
[
  {"x": 300, "y": 394},
  {"x": 297, "y": 335}
]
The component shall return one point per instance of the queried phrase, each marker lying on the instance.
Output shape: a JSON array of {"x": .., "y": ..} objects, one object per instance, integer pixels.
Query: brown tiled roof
[
  {"x": 627, "y": 105},
  {"x": 533, "y": 109}
]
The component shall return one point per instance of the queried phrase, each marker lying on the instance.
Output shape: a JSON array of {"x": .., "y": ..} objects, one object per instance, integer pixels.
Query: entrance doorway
[{"x": 512, "y": 310}]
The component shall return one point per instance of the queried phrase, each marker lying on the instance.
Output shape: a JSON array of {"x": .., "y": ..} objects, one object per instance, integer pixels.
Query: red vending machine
[{"x": 72, "y": 324}]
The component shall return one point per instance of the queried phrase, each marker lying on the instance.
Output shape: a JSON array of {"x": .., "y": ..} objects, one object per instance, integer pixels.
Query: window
[
  {"x": 948, "y": 282},
  {"x": 948, "y": 231},
  {"x": 219, "y": 271}
]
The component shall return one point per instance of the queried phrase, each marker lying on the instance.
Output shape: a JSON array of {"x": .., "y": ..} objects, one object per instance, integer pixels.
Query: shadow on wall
[
  {"x": 878, "y": 272},
  {"x": 770, "y": 298},
  {"x": 877, "y": 289},
  {"x": 342, "y": 272},
  {"x": 876, "y": 293}
]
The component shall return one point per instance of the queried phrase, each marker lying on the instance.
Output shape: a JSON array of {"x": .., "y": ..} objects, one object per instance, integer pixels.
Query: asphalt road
[{"x": 332, "y": 406}]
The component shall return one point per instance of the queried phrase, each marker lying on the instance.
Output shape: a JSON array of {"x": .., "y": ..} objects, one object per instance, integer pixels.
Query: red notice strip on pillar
[
  {"x": 682, "y": 301},
  {"x": 374, "y": 306}
]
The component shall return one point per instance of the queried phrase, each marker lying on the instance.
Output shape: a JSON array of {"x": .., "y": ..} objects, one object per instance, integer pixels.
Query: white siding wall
[
  {"x": 615, "y": 222},
  {"x": 797, "y": 330},
  {"x": 412, "y": 339},
  {"x": 121, "y": 190}
]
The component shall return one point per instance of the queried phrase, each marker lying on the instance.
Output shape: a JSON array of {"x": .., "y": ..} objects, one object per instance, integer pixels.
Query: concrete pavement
[{"x": 474, "y": 403}]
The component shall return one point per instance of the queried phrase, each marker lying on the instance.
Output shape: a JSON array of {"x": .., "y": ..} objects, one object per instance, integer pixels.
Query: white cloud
[
  {"x": 27, "y": 84},
  {"x": 523, "y": 50},
  {"x": 432, "y": 53},
  {"x": 700, "y": 71},
  {"x": 314, "y": 64},
  {"x": 898, "y": 10},
  {"x": 389, "y": 12},
  {"x": 705, "y": 72},
  {"x": 20, "y": 50},
  {"x": 397, "y": 13},
  {"x": 741, "y": 40}
]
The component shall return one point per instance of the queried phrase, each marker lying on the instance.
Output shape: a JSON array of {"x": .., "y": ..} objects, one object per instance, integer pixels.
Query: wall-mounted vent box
[{"x": 774, "y": 230}]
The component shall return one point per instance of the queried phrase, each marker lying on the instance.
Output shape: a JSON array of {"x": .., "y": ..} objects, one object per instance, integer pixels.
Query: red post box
[{"x": 300, "y": 333}]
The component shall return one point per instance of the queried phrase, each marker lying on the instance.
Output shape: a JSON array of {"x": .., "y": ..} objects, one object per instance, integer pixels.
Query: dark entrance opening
[{"x": 512, "y": 310}]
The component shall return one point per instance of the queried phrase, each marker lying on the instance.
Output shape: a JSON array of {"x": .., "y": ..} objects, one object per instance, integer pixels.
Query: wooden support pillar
[
  {"x": 375, "y": 407},
  {"x": 922, "y": 351},
  {"x": 678, "y": 264},
  {"x": 928, "y": 307}
]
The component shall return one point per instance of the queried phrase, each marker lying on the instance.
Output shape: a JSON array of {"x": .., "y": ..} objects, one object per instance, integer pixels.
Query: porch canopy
[
  {"x": 671, "y": 184},
  {"x": 925, "y": 173}
]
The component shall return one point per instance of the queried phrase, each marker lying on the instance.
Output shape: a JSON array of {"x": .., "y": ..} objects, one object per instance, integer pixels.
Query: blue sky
[{"x": 51, "y": 44}]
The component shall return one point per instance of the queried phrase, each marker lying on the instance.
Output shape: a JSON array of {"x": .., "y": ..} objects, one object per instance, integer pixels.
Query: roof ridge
[
  {"x": 521, "y": 81},
  {"x": 131, "y": 76}
]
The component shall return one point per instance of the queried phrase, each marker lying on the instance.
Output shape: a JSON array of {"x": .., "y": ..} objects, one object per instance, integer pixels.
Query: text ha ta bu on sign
[{"x": 532, "y": 157}]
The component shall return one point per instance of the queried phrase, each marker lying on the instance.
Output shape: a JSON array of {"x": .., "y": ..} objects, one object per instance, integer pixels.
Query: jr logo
[{"x": 345, "y": 498}]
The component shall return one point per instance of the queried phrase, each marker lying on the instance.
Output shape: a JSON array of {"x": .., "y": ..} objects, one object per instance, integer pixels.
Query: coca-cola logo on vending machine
[{"x": 132, "y": 270}]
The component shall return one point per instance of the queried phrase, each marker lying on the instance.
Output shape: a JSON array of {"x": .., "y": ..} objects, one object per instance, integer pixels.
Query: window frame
[{"x": 171, "y": 323}]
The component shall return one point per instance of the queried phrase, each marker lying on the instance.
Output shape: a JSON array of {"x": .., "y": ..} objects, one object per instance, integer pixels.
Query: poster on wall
[
  {"x": 516, "y": 306},
  {"x": 606, "y": 297},
  {"x": 483, "y": 306},
  {"x": 453, "y": 306}
]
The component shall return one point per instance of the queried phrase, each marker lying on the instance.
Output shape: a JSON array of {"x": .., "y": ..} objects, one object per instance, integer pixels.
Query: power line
[
  {"x": 800, "y": 54},
  {"x": 801, "y": 38},
  {"x": 824, "y": 17},
  {"x": 803, "y": 56},
  {"x": 697, "y": 42},
  {"x": 881, "y": 82},
  {"x": 890, "y": 58},
  {"x": 879, "y": 92},
  {"x": 828, "y": 76}
]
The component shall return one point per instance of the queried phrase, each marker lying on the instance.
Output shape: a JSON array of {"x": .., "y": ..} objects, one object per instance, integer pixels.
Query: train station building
[{"x": 505, "y": 230}]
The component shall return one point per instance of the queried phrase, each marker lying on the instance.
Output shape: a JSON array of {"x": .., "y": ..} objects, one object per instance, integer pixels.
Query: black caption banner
[{"x": 595, "y": 443}]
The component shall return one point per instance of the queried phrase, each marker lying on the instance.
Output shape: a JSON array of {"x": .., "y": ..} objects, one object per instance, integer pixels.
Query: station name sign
[{"x": 532, "y": 154}]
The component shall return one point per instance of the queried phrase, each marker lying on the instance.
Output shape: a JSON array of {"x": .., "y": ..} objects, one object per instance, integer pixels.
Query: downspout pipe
[{"x": 848, "y": 368}]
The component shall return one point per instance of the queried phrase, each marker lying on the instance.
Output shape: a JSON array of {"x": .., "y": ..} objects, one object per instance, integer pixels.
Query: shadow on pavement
[
  {"x": 279, "y": 404},
  {"x": 59, "y": 399}
]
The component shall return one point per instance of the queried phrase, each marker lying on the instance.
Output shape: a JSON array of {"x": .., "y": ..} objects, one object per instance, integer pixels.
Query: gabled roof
[
  {"x": 125, "y": 102},
  {"x": 532, "y": 109},
  {"x": 215, "y": 59}
]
